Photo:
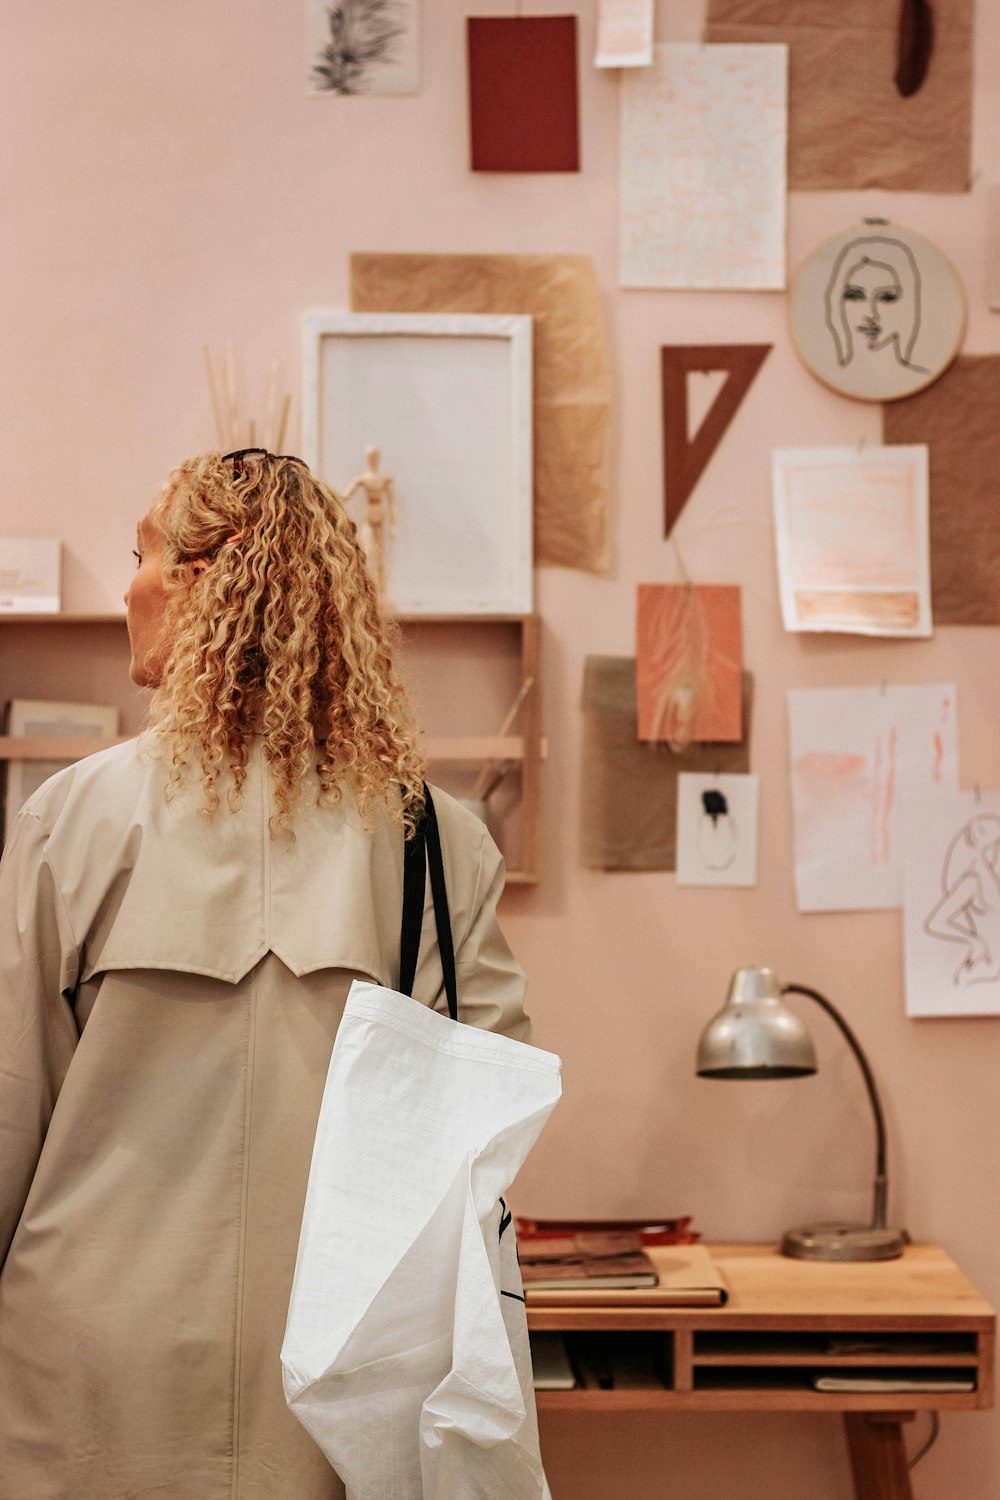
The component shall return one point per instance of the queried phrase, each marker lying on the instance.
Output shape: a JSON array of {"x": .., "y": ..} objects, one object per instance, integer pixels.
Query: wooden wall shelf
[{"x": 525, "y": 750}]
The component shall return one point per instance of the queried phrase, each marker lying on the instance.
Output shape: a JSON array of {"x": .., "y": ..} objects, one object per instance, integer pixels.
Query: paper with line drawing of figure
[
  {"x": 951, "y": 906},
  {"x": 855, "y": 754},
  {"x": 702, "y": 179}
]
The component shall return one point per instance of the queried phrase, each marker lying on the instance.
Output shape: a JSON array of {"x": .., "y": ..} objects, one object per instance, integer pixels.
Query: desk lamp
[{"x": 756, "y": 1036}]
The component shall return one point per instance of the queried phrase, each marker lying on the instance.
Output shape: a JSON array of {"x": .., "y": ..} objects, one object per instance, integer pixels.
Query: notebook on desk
[{"x": 687, "y": 1277}]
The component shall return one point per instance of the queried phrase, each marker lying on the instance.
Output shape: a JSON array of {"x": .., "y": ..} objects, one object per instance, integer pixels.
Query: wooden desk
[{"x": 786, "y": 1322}]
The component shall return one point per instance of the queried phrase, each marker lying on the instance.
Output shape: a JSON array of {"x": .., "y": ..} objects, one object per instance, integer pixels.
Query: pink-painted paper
[
  {"x": 856, "y": 753},
  {"x": 689, "y": 663},
  {"x": 703, "y": 138},
  {"x": 852, "y": 538},
  {"x": 624, "y": 34}
]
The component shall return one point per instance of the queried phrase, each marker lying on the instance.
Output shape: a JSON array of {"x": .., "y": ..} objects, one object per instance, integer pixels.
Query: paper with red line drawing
[
  {"x": 856, "y": 753},
  {"x": 951, "y": 907}
]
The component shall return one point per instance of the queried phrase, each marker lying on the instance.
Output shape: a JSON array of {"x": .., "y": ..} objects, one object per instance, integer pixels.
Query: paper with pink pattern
[
  {"x": 856, "y": 753},
  {"x": 703, "y": 168}
]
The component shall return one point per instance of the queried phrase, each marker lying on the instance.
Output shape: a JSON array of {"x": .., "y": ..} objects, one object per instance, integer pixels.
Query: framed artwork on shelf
[{"x": 444, "y": 401}]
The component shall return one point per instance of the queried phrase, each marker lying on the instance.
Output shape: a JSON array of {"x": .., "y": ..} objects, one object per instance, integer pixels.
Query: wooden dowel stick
[
  {"x": 489, "y": 770},
  {"x": 214, "y": 397},
  {"x": 286, "y": 407},
  {"x": 234, "y": 421},
  {"x": 503, "y": 771},
  {"x": 271, "y": 406}
]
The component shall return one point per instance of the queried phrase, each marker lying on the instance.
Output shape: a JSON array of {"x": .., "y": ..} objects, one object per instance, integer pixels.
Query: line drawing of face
[{"x": 872, "y": 300}]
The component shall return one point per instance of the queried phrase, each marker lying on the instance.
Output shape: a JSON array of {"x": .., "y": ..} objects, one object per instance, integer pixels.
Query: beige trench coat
[{"x": 170, "y": 989}]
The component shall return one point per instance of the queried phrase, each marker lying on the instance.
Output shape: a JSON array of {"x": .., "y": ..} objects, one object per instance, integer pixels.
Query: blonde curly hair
[{"x": 280, "y": 635}]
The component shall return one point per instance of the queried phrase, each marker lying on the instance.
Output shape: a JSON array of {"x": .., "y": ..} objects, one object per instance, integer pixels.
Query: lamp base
[{"x": 843, "y": 1242}]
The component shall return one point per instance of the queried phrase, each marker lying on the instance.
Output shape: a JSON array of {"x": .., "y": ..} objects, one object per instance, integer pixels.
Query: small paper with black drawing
[
  {"x": 851, "y": 533},
  {"x": 628, "y": 813},
  {"x": 363, "y": 46},
  {"x": 855, "y": 753},
  {"x": 951, "y": 904},
  {"x": 849, "y": 126},
  {"x": 716, "y": 830},
  {"x": 958, "y": 417}
]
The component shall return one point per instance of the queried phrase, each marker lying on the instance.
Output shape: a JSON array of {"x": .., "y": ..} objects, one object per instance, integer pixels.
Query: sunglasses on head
[{"x": 239, "y": 454}]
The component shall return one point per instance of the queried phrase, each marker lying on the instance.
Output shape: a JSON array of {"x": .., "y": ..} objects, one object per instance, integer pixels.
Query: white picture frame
[{"x": 447, "y": 401}]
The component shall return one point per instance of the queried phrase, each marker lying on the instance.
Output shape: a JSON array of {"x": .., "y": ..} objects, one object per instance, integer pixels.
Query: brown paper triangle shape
[{"x": 684, "y": 460}]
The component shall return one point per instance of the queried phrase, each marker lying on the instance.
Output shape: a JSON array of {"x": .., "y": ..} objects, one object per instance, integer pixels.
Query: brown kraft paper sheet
[
  {"x": 628, "y": 814},
  {"x": 958, "y": 417},
  {"x": 572, "y": 372},
  {"x": 848, "y": 125}
]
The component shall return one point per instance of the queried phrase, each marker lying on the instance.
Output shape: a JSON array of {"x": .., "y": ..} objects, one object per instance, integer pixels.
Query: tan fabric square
[
  {"x": 572, "y": 372},
  {"x": 848, "y": 125},
  {"x": 958, "y": 417},
  {"x": 628, "y": 811}
]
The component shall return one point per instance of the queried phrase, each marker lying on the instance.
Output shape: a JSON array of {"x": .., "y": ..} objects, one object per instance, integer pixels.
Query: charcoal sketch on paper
[
  {"x": 362, "y": 46},
  {"x": 718, "y": 831},
  {"x": 968, "y": 912}
]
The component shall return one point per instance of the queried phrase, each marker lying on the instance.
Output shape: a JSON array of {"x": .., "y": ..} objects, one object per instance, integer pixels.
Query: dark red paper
[{"x": 522, "y": 94}]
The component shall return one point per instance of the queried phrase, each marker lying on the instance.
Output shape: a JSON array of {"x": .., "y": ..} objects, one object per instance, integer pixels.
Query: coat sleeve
[
  {"x": 490, "y": 980},
  {"x": 38, "y": 1033}
]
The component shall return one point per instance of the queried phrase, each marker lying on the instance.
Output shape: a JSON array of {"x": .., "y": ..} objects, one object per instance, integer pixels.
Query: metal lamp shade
[{"x": 755, "y": 1035}]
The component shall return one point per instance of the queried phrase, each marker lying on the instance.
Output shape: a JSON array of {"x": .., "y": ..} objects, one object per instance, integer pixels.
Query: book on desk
[{"x": 622, "y": 1274}]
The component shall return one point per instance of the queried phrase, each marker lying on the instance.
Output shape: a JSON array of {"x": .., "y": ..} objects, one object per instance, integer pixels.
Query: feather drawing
[
  {"x": 679, "y": 654},
  {"x": 362, "y": 32}
]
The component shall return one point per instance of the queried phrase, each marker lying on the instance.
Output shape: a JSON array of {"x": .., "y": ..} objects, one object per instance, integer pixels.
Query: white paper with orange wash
[
  {"x": 624, "y": 34},
  {"x": 702, "y": 172},
  {"x": 852, "y": 537},
  {"x": 855, "y": 754}
]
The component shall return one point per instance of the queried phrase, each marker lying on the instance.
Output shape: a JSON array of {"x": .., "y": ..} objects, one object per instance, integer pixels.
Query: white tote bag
[{"x": 406, "y": 1349}]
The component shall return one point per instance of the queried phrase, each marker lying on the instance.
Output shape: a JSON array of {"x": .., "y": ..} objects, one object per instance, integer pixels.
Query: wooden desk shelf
[{"x": 785, "y": 1324}]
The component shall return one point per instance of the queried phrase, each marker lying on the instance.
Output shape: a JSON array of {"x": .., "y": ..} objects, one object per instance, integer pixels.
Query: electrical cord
[{"x": 931, "y": 1440}]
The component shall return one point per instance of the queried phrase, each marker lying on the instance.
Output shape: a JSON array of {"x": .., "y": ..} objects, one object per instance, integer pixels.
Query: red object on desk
[{"x": 650, "y": 1231}]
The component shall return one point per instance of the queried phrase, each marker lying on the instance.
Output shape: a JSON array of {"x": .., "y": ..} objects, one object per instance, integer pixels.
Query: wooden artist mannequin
[{"x": 381, "y": 497}]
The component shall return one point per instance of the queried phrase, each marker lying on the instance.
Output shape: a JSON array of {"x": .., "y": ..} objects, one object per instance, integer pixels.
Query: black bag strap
[{"x": 422, "y": 852}]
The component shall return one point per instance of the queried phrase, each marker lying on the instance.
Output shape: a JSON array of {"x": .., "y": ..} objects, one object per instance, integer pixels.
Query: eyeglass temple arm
[{"x": 881, "y": 1179}]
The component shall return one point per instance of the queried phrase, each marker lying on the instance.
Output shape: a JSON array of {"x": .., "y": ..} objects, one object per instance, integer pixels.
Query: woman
[{"x": 180, "y": 921}]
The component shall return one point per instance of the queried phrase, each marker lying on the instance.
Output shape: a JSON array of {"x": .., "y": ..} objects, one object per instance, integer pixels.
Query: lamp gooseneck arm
[{"x": 881, "y": 1179}]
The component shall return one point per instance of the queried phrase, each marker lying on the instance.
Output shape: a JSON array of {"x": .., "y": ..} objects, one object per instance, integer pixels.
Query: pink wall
[{"x": 168, "y": 182}]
